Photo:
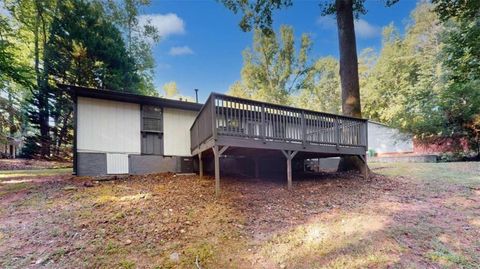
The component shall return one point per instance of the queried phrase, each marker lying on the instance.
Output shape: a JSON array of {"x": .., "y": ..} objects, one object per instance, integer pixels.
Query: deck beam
[
  {"x": 223, "y": 149},
  {"x": 239, "y": 142},
  {"x": 289, "y": 154}
]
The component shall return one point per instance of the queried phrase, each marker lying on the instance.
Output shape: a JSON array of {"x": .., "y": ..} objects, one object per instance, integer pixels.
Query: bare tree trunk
[
  {"x": 42, "y": 83},
  {"x": 348, "y": 73},
  {"x": 11, "y": 119},
  {"x": 63, "y": 131}
]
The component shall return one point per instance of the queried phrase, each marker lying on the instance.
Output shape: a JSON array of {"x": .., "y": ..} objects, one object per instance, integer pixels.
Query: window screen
[
  {"x": 152, "y": 119},
  {"x": 152, "y": 130}
]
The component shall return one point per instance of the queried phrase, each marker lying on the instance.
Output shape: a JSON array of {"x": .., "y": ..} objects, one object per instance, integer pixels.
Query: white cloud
[
  {"x": 363, "y": 29},
  {"x": 327, "y": 22},
  {"x": 179, "y": 51},
  {"x": 166, "y": 24}
]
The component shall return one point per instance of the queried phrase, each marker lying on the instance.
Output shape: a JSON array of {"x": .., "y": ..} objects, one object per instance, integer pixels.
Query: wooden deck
[{"x": 228, "y": 124}]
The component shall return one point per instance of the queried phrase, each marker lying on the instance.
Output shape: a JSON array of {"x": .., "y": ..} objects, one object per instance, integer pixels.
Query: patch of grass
[
  {"x": 8, "y": 174},
  {"x": 446, "y": 257},
  {"x": 204, "y": 251},
  {"x": 461, "y": 173},
  {"x": 55, "y": 232},
  {"x": 126, "y": 264},
  {"x": 118, "y": 216},
  {"x": 371, "y": 260},
  {"x": 34, "y": 200},
  {"x": 57, "y": 254},
  {"x": 112, "y": 248},
  {"x": 14, "y": 187},
  {"x": 334, "y": 240}
]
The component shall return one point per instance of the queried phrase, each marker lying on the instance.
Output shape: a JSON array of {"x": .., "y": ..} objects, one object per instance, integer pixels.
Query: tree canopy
[
  {"x": 89, "y": 43},
  {"x": 425, "y": 82},
  {"x": 273, "y": 69}
]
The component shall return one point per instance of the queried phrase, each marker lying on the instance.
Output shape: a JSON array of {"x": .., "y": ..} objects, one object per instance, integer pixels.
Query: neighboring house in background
[
  {"x": 441, "y": 145},
  {"x": 387, "y": 141},
  {"x": 11, "y": 147},
  {"x": 383, "y": 141}
]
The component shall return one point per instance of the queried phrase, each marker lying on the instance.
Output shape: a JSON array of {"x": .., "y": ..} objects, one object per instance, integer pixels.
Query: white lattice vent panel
[{"x": 117, "y": 163}]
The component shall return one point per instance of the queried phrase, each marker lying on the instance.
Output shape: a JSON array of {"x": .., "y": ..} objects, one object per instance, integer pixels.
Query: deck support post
[
  {"x": 365, "y": 166},
  {"x": 289, "y": 154},
  {"x": 216, "y": 155},
  {"x": 200, "y": 165}
]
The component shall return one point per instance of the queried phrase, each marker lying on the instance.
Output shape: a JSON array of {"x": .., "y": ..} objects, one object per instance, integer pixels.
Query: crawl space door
[{"x": 117, "y": 163}]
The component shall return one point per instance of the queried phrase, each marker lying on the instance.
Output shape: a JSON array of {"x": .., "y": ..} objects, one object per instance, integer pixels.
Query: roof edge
[{"x": 128, "y": 97}]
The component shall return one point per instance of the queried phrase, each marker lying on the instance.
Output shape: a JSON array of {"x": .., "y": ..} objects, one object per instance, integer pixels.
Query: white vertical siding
[
  {"x": 108, "y": 126},
  {"x": 117, "y": 163},
  {"x": 176, "y": 127},
  {"x": 384, "y": 139}
]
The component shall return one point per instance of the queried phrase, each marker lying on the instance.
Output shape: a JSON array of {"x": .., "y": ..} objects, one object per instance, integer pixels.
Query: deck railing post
[
  {"x": 263, "y": 129},
  {"x": 214, "y": 115},
  {"x": 197, "y": 130},
  {"x": 304, "y": 129},
  {"x": 365, "y": 135},
  {"x": 337, "y": 133}
]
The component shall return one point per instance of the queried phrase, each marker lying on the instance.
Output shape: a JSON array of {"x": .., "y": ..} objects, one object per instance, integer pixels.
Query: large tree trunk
[
  {"x": 348, "y": 73},
  {"x": 42, "y": 84},
  {"x": 11, "y": 119},
  {"x": 63, "y": 131}
]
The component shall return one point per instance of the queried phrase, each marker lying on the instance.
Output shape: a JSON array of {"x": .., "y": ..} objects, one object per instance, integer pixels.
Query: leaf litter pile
[{"x": 328, "y": 220}]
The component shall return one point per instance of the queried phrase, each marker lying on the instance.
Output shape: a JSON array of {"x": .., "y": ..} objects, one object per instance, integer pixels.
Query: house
[
  {"x": 122, "y": 133},
  {"x": 383, "y": 141},
  {"x": 387, "y": 141},
  {"x": 441, "y": 145},
  {"x": 11, "y": 147}
]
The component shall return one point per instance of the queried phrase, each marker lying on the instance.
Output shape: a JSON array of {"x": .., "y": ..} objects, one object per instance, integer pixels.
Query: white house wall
[
  {"x": 108, "y": 126},
  {"x": 383, "y": 139},
  {"x": 176, "y": 127}
]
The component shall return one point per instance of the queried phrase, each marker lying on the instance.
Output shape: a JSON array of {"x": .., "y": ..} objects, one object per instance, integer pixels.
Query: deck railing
[
  {"x": 202, "y": 128},
  {"x": 224, "y": 115}
]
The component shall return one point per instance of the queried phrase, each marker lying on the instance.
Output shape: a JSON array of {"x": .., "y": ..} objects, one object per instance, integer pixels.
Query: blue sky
[{"x": 201, "y": 42}]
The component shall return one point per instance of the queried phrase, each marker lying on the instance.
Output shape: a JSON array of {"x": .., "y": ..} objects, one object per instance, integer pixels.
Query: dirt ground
[
  {"x": 404, "y": 216},
  {"x": 24, "y": 164}
]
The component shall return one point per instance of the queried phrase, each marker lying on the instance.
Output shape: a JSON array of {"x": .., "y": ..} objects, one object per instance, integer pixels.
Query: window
[
  {"x": 152, "y": 119},
  {"x": 152, "y": 130}
]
